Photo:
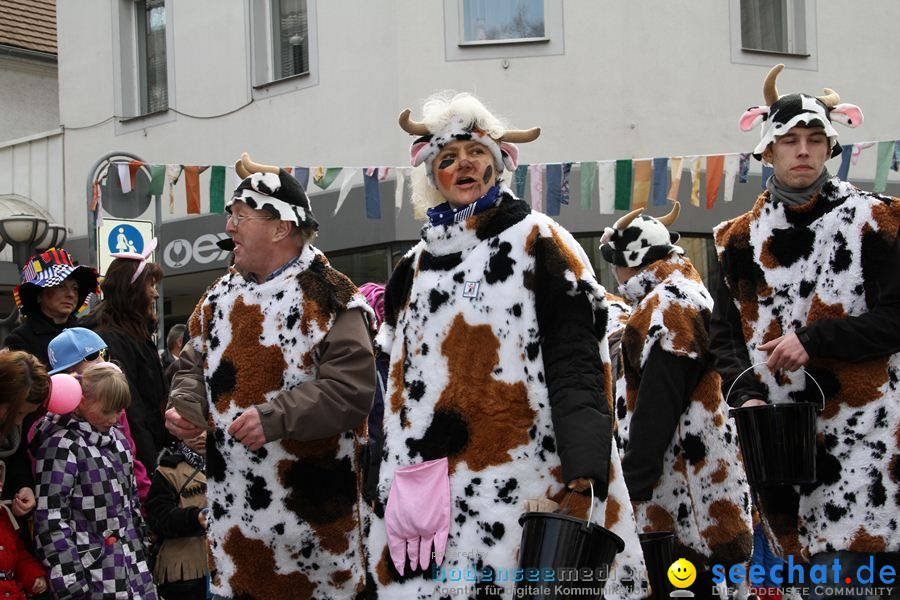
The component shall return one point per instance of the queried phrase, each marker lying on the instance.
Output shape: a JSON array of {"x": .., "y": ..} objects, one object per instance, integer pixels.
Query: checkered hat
[{"x": 49, "y": 269}]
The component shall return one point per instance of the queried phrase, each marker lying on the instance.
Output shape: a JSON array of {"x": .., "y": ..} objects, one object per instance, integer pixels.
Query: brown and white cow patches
[
  {"x": 467, "y": 382},
  {"x": 287, "y": 520},
  {"x": 823, "y": 260},
  {"x": 702, "y": 494}
]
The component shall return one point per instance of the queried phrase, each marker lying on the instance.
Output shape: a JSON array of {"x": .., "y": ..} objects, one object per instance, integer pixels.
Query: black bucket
[
  {"x": 558, "y": 550},
  {"x": 659, "y": 554},
  {"x": 778, "y": 442}
]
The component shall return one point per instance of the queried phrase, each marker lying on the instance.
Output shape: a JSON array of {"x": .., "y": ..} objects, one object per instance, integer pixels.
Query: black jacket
[{"x": 34, "y": 335}]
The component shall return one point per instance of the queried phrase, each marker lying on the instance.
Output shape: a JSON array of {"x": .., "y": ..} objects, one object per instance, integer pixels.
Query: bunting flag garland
[
  {"x": 715, "y": 166},
  {"x": 521, "y": 174},
  {"x": 157, "y": 179},
  {"x": 371, "y": 177},
  {"x": 676, "y": 166},
  {"x": 587, "y": 173},
  {"x": 124, "y": 177},
  {"x": 642, "y": 170},
  {"x": 846, "y": 155},
  {"x": 623, "y": 185},
  {"x": 346, "y": 185},
  {"x": 564, "y": 188},
  {"x": 606, "y": 186},
  {"x": 97, "y": 202},
  {"x": 659, "y": 187},
  {"x": 554, "y": 185},
  {"x": 133, "y": 168},
  {"x": 398, "y": 187},
  {"x": 301, "y": 174},
  {"x": 536, "y": 174},
  {"x": 767, "y": 172},
  {"x": 217, "y": 190},
  {"x": 325, "y": 176},
  {"x": 744, "y": 167},
  {"x": 192, "y": 187},
  {"x": 695, "y": 180},
  {"x": 173, "y": 173},
  {"x": 732, "y": 164},
  {"x": 883, "y": 165}
]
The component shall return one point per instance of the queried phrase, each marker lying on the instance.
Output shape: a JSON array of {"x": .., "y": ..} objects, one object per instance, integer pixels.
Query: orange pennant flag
[
  {"x": 192, "y": 188},
  {"x": 133, "y": 167},
  {"x": 643, "y": 170},
  {"x": 715, "y": 169}
]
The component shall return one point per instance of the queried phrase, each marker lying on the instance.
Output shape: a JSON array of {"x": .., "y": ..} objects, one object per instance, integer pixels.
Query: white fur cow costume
[
  {"x": 680, "y": 452},
  {"x": 286, "y": 520},
  {"x": 826, "y": 269},
  {"x": 492, "y": 323}
]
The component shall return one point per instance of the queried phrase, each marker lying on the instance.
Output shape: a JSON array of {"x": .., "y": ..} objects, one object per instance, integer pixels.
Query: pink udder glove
[{"x": 418, "y": 513}]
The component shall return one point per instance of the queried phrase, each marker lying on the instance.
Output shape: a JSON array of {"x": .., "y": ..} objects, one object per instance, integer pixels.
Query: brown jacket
[{"x": 337, "y": 401}]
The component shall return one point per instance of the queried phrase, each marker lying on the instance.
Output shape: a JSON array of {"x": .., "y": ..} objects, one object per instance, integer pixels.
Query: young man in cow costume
[
  {"x": 280, "y": 367},
  {"x": 680, "y": 455},
  {"x": 810, "y": 277},
  {"x": 499, "y": 390}
]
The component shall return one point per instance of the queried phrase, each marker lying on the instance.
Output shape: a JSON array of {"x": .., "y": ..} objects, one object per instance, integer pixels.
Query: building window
[
  {"x": 151, "y": 39},
  {"x": 492, "y": 21},
  {"x": 786, "y": 28},
  {"x": 283, "y": 46},
  {"x": 290, "y": 36},
  {"x": 481, "y": 29}
]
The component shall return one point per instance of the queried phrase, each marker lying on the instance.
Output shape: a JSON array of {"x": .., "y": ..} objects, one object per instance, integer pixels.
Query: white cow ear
[
  {"x": 752, "y": 116},
  {"x": 847, "y": 114}
]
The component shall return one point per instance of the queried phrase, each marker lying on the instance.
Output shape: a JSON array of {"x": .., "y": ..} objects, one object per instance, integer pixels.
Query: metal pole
[{"x": 160, "y": 302}]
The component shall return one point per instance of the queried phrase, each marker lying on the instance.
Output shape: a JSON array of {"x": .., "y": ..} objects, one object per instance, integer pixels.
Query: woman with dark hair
[
  {"x": 126, "y": 320},
  {"x": 51, "y": 291},
  {"x": 26, "y": 386}
]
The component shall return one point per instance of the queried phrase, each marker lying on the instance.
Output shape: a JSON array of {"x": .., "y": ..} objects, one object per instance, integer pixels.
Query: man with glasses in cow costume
[
  {"x": 810, "y": 277},
  {"x": 280, "y": 366}
]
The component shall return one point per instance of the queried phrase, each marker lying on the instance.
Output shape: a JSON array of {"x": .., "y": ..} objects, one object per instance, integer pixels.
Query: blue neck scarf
[{"x": 444, "y": 214}]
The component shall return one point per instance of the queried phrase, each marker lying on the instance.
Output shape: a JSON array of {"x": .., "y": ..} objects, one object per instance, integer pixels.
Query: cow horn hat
[
  {"x": 782, "y": 113},
  {"x": 462, "y": 117},
  {"x": 49, "y": 269},
  {"x": 636, "y": 239},
  {"x": 272, "y": 189}
]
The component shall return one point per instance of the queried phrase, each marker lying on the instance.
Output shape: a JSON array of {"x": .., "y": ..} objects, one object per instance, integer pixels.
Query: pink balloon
[{"x": 65, "y": 394}]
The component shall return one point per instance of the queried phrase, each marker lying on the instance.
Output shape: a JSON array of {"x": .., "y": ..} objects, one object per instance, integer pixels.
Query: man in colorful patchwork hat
[
  {"x": 279, "y": 366},
  {"x": 680, "y": 455},
  {"x": 810, "y": 277},
  {"x": 52, "y": 290}
]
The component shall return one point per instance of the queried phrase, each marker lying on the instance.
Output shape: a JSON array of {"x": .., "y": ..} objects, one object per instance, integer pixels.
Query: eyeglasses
[
  {"x": 95, "y": 355},
  {"x": 236, "y": 219}
]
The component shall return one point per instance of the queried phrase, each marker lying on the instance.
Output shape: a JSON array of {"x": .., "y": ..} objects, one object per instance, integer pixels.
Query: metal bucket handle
[{"x": 759, "y": 364}]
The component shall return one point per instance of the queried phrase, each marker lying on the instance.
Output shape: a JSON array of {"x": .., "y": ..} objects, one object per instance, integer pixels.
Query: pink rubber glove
[{"x": 418, "y": 513}]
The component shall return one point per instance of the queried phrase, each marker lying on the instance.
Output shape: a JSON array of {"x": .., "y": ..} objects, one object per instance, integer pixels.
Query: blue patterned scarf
[{"x": 444, "y": 214}]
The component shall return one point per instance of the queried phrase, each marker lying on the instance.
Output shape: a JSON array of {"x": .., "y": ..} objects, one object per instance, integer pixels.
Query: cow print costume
[
  {"x": 286, "y": 520},
  {"x": 788, "y": 267},
  {"x": 468, "y": 381},
  {"x": 701, "y": 493}
]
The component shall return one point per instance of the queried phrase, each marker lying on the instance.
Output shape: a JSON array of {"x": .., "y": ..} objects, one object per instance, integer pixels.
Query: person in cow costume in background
[
  {"x": 499, "y": 389},
  {"x": 280, "y": 366},
  {"x": 680, "y": 455},
  {"x": 810, "y": 277}
]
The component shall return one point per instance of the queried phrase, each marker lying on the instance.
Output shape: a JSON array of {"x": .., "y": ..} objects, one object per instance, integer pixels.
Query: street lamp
[
  {"x": 22, "y": 232},
  {"x": 54, "y": 238}
]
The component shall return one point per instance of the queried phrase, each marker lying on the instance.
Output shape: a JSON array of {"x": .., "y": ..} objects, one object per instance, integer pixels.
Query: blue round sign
[{"x": 125, "y": 238}]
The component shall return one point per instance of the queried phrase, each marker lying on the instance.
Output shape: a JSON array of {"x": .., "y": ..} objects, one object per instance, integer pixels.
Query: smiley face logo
[{"x": 682, "y": 573}]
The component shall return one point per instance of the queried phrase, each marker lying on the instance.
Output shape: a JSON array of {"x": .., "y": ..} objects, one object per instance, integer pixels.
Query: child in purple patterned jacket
[{"x": 88, "y": 526}]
